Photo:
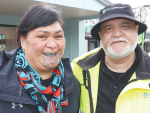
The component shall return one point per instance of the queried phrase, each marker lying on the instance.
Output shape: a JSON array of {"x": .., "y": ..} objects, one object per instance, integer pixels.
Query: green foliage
[{"x": 141, "y": 39}]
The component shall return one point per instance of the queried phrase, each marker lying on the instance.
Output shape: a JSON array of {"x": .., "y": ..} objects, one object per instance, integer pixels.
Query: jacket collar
[
  {"x": 90, "y": 61},
  {"x": 143, "y": 68},
  {"x": 142, "y": 71},
  {"x": 68, "y": 75}
]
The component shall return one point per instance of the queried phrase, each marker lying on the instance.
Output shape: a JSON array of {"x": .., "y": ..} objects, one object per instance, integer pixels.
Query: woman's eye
[
  {"x": 107, "y": 29},
  {"x": 59, "y": 36}
]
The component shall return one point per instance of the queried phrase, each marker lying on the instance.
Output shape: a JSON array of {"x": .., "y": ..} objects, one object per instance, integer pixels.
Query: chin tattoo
[{"x": 50, "y": 61}]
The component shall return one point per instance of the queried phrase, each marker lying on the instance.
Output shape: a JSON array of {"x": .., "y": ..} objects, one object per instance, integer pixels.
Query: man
[{"x": 116, "y": 77}]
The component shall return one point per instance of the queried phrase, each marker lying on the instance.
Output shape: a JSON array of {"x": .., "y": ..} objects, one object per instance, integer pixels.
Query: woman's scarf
[{"x": 31, "y": 81}]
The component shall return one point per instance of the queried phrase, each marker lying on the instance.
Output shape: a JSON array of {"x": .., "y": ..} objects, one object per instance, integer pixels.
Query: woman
[{"x": 33, "y": 78}]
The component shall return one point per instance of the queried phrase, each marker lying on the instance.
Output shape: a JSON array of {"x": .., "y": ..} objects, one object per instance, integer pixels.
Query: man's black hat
[{"x": 116, "y": 11}]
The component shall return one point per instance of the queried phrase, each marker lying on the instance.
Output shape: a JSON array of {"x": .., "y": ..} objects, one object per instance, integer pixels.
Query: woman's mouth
[{"x": 50, "y": 54}]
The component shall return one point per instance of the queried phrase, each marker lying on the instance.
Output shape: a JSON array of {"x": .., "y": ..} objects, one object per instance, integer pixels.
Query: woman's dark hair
[{"x": 37, "y": 16}]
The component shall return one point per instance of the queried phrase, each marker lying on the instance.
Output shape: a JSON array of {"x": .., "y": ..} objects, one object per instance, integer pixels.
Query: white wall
[{"x": 9, "y": 34}]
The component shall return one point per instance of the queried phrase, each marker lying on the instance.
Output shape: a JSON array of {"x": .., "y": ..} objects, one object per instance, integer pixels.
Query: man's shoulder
[
  {"x": 89, "y": 59},
  {"x": 82, "y": 57}
]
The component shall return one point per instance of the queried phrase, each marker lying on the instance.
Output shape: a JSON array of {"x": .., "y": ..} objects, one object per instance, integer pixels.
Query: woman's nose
[{"x": 51, "y": 43}]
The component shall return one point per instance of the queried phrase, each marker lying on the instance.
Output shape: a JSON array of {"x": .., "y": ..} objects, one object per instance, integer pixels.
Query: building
[
  {"x": 147, "y": 43},
  {"x": 74, "y": 13}
]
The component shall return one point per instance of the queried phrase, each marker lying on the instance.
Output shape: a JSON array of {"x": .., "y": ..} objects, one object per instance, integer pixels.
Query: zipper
[{"x": 20, "y": 90}]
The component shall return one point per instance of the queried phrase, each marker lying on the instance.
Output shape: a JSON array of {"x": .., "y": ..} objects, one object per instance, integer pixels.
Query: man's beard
[{"x": 118, "y": 54}]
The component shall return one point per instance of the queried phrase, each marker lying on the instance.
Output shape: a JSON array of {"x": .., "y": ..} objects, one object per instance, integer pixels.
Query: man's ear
[
  {"x": 99, "y": 33},
  {"x": 137, "y": 28},
  {"x": 22, "y": 41}
]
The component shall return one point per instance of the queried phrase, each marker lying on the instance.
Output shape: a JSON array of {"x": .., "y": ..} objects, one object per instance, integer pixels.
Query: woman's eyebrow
[
  {"x": 47, "y": 32},
  {"x": 44, "y": 31},
  {"x": 59, "y": 31}
]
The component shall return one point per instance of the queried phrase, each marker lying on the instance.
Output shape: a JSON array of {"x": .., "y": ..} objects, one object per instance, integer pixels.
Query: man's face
[{"x": 119, "y": 37}]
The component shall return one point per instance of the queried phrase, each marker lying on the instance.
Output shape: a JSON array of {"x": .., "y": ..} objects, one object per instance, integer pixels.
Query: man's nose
[{"x": 117, "y": 32}]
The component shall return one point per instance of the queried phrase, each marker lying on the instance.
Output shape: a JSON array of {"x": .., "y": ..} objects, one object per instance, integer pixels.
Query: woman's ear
[{"x": 23, "y": 42}]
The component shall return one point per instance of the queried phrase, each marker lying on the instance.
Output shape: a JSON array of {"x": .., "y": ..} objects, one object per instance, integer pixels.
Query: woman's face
[{"x": 44, "y": 47}]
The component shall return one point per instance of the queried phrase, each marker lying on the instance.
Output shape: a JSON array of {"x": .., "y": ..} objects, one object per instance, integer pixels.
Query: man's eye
[
  {"x": 125, "y": 26},
  {"x": 42, "y": 37}
]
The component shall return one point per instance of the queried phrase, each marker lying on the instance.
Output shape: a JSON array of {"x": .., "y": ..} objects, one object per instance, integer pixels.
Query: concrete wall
[
  {"x": 75, "y": 37},
  {"x": 71, "y": 30},
  {"x": 9, "y": 34}
]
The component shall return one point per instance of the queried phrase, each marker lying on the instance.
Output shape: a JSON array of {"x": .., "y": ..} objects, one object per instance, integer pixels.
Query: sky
[{"x": 133, "y": 3}]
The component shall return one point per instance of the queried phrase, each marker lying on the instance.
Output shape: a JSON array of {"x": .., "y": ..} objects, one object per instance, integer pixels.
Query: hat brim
[{"x": 96, "y": 28}]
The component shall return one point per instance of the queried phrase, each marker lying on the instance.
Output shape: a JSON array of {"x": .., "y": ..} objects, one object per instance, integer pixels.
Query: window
[{"x": 2, "y": 41}]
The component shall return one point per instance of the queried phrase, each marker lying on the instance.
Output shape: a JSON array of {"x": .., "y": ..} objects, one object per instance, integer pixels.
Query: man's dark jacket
[{"x": 15, "y": 99}]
